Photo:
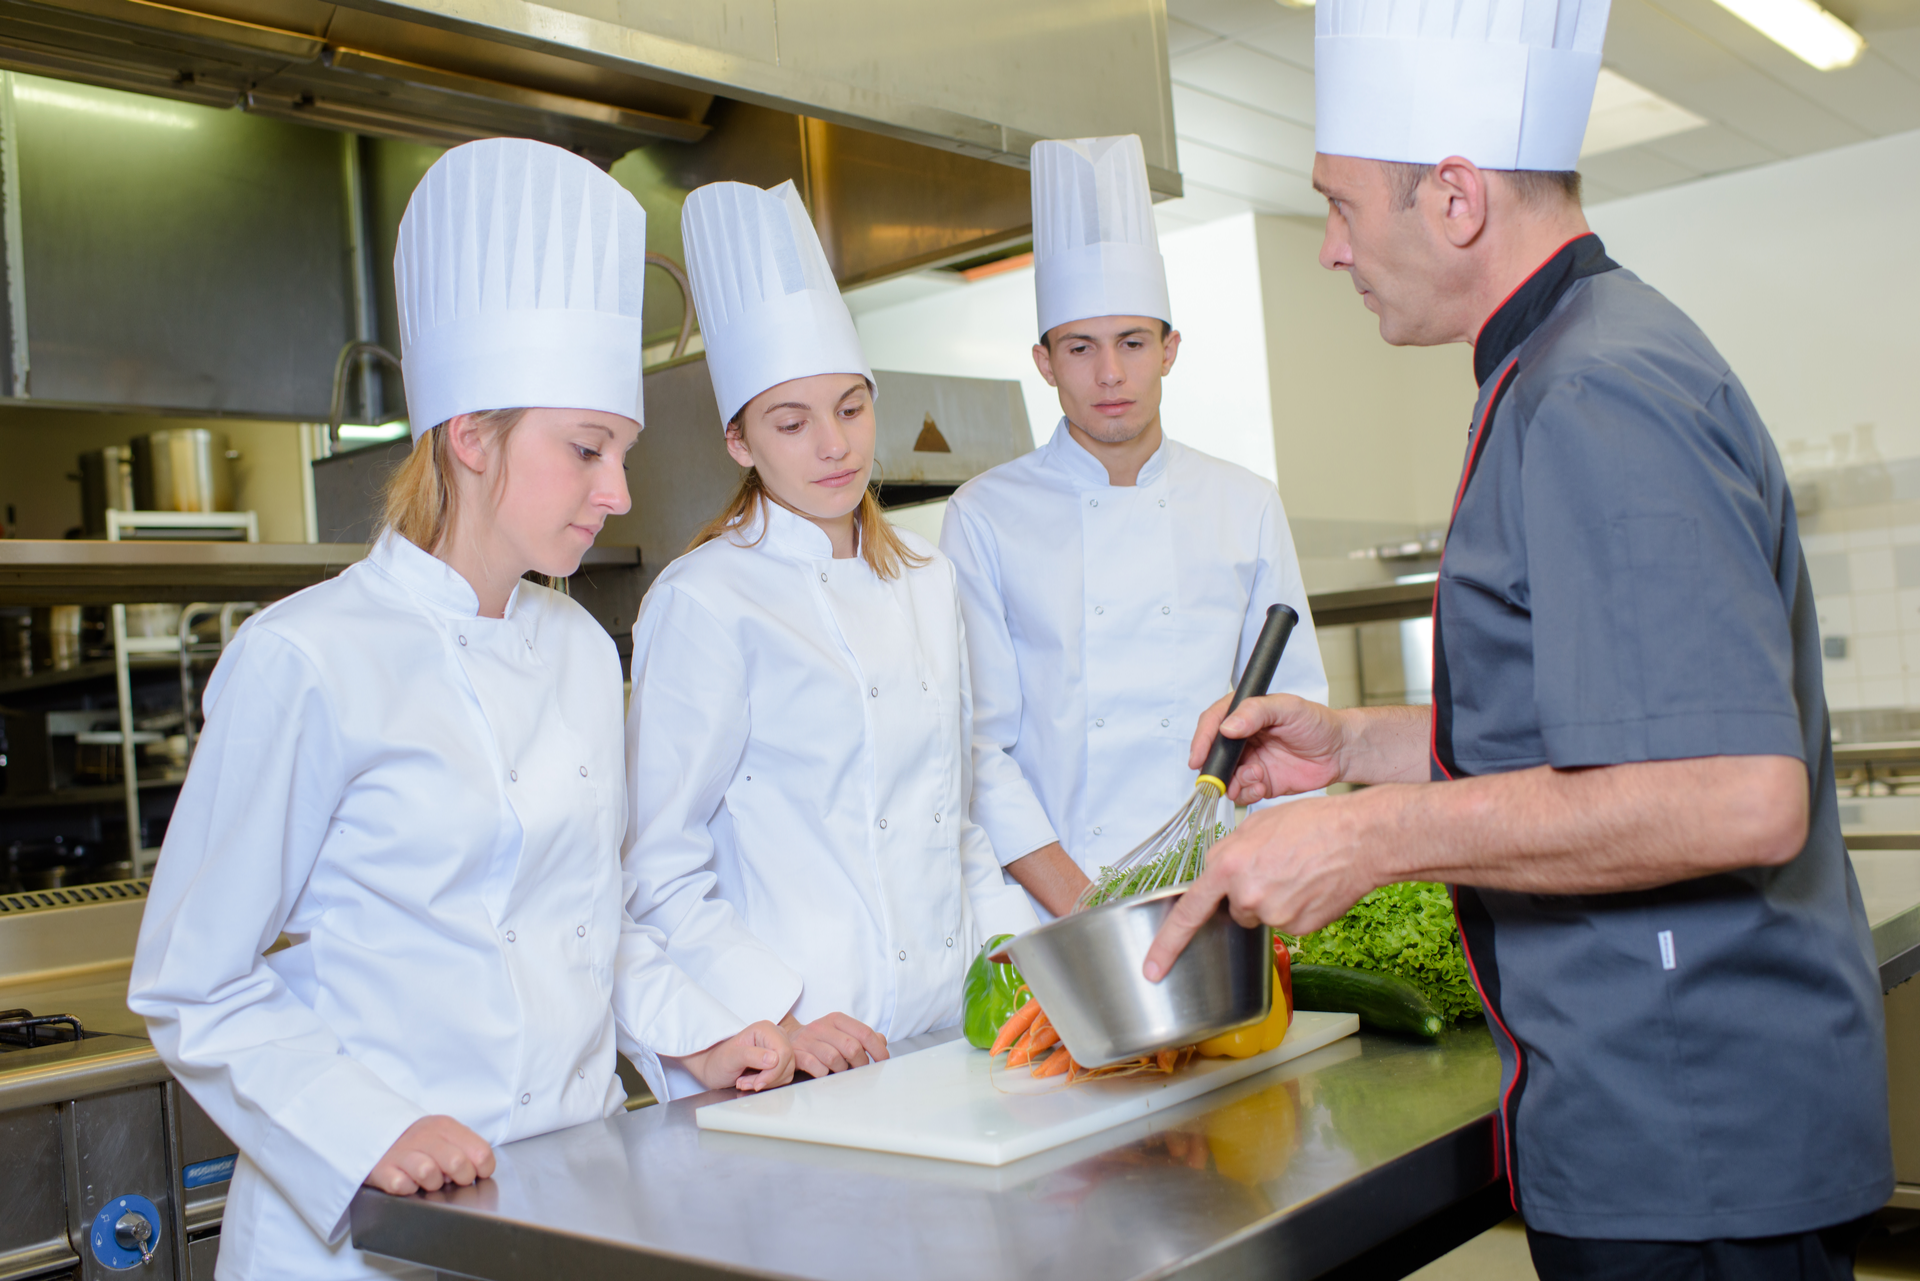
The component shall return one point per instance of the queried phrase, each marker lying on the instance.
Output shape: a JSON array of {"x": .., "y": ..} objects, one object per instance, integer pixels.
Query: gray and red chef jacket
[{"x": 1623, "y": 581}]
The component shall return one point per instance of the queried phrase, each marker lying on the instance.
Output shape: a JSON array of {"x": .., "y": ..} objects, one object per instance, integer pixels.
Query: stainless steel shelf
[
  {"x": 104, "y": 794},
  {"x": 79, "y": 673},
  {"x": 1371, "y": 604},
  {"x": 85, "y": 572}
]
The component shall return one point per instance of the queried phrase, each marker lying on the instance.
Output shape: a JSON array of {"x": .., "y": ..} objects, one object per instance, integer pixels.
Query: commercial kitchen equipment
[{"x": 183, "y": 469}]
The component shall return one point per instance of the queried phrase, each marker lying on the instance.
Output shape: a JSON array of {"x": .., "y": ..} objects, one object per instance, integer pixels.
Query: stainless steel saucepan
[{"x": 1085, "y": 971}]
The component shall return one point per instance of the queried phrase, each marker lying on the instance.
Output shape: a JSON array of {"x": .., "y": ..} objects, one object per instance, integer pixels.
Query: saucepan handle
[{"x": 1225, "y": 756}]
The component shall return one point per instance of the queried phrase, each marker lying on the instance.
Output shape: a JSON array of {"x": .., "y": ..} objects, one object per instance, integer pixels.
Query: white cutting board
[{"x": 956, "y": 1103}]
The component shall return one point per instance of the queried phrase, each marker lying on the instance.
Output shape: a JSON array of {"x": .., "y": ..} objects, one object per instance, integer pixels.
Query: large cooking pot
[{"x": 183, "y": 469}]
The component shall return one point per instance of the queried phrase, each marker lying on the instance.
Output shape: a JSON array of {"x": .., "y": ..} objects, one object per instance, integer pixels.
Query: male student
[{"x": 1113, "y": 581}]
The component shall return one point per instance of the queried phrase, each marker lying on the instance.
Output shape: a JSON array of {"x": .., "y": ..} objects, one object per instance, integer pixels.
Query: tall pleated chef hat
[
  {"x": 768, "y": 305},
  {"x": 1095, "y": 250},
  {"x": 1505, "y": 83},
  {"x": 518, "y": 276}
]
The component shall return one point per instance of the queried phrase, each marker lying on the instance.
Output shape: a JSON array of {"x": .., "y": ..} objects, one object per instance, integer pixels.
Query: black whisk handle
[{"x": 1225, "y": 756}]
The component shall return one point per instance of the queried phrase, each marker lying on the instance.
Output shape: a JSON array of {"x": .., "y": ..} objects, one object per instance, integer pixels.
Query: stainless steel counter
[{"x": 1285, "y": 1175}]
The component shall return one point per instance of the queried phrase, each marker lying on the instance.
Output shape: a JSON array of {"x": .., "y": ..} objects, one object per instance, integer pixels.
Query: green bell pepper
[{"x": 992, "y": 994}]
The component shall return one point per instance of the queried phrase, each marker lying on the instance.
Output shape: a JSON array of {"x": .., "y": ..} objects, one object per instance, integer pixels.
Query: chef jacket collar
[
  {"x": 1530, "y": 304},
  {"x": 430, "y": 578},
  {"x": 785, "y": 533},
  {"x": 1088, "y": 472}
]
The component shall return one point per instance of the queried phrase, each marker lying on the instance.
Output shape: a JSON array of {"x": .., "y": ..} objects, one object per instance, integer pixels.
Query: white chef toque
[
  {"x": 769, "y": 309},
  {"x": 1505, "y": 83},
  {"x": 1095, "y": 250},
  {"x": 518, "y": 277}
]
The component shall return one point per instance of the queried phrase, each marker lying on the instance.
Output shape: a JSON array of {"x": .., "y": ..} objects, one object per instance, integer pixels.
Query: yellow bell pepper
[{"x": 1255, "y": 1038}]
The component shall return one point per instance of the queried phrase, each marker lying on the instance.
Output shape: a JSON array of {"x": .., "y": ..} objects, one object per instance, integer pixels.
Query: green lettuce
[{"x": 1406, "y": 929}]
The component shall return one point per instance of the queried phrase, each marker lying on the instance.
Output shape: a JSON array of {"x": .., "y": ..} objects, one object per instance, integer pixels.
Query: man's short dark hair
[
  {"x": 1538, "y": 188},
  {"x": 1046, "y": 339}
]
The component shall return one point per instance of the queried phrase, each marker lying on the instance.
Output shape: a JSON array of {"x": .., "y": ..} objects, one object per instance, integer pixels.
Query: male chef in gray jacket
[{"x": 1626, "y": 770}]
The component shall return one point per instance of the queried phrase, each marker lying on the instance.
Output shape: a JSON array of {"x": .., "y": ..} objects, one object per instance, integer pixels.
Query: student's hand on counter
[
  {"x": 833, "y": 1043},
  {"x": 757, "y": 1057},
  {"x": 432, "y": 1152}
]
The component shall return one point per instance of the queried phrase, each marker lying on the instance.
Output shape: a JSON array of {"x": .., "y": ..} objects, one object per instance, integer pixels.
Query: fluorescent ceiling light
[
  {"x": 378, "y": 431},
  {"x": 1803, "y": 29},
  {"x": 133, "y": 112},
  {"x": 1626, "y": 114}
]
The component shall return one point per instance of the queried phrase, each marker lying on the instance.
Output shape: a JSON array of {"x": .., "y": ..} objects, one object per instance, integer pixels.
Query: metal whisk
[{"x": 1178, "y": 851}]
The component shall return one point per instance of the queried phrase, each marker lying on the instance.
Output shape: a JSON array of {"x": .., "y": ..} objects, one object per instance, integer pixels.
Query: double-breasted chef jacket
[
  {"x": 797, "y": 751},
  {"x": 1102, "y": 620},
  {"x": 1623, "y": 581},
  {"x": 430, "y": 805}
]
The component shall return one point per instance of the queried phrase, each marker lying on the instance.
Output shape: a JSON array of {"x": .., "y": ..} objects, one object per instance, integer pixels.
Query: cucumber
[{"x": 1384, "y": 1001}]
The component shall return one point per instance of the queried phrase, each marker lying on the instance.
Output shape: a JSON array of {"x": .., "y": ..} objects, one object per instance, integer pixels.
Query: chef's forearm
[
  {"x": 1051, "y": 876},
  {"x": 1386, "y": 744},
  {"x": 1593, "y": 831}
]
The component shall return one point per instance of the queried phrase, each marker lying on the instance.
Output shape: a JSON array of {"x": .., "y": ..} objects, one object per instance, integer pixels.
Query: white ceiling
[{"x": 1243, "y": 98}]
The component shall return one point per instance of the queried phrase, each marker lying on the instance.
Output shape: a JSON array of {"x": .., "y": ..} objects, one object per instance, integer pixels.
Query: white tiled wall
[{"x": 1865, "y": 566}]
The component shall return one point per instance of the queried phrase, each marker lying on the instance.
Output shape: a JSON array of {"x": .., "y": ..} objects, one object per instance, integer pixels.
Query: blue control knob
[{"x": 125, "y": 1233}]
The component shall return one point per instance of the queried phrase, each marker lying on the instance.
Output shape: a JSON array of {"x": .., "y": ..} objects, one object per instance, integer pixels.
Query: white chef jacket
[
  {"x": 797, "y": 755},
  {"x": 430, "y": 805},
  {"x": 1101, "y": 622}
]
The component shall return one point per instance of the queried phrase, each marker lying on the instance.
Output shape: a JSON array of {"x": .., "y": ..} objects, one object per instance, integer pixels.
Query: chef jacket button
[
  {"x": 583, "y": 771},
  {"x": 874, "y": 692},
  {"x": 526, "y": 1098},
  {"x": 513, "y": 776},
  {"x": 923, "y": 684},
  {"x": 1163, "y": 722},
  {"x": 1099, "y": 723},
  {"x": 581, "y": 930},
  {"x": 949, "y": 942},
  {"x": 583, "y": 1074},
  {"x": 1166, "y": 609},
  {"x": 823, "y": 578},
  {"x": 903, "y": 956},
  {"x": 883, "y": 822},
  {"x": 509, "y": 936},
  {"x": 936, "y": 816},
  {"x": 1093, "y": 502},
  {"x": 1096, "y": 831},
  {"x": 463, "y": 640},
  {"x": 1099, "y": 609},
  {"x": 529, "y": 642},
  {"x": 1163, "y": 502}
]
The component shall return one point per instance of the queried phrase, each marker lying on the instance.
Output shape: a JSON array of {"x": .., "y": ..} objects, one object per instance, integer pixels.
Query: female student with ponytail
[
  {"x": 413, "y": 771},
  {"x": 798, "y": 739}
]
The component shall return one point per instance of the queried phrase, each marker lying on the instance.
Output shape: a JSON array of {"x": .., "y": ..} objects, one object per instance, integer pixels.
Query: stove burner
[{"x": 24, "y": 1030}]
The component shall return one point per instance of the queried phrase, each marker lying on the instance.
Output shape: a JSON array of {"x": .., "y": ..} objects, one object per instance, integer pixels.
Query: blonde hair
[
  {"x": 880, "y": 544},
  {"x": 419, "y": 497}
]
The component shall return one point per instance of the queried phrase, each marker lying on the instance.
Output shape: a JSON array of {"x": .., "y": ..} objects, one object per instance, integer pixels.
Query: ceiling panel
[
  {"x": 1234, "y": 127},
  {"x": 1635, "y": 169},
  {"x": 1243, "y": 95},
  {"x": 1231, "y": 70},
  {"x": 1266, "y": 187},
  {"x": 1184, "y": 36}
]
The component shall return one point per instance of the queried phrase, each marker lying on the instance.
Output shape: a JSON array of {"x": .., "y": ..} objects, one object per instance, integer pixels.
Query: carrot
[
  {"x": 1057, "y": 1062},
  {"x": 1020, "y": 1021},
  {"x": 1042, "y": 1038},
  {"x": 1166, "y": 1059}
]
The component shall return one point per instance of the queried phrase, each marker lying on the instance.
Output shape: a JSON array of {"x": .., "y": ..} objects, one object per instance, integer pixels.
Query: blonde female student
[
  {"x": 798, "y": 740},
  {"x": 413, "y": 771}
]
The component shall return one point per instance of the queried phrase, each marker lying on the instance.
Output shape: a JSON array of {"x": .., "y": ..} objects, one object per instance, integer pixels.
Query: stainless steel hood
[{"x": 982, "y": 80}]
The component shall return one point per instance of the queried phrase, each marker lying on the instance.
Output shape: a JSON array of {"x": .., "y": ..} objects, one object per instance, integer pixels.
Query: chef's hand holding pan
[
  {"x": 833, "y": 1043},
  {"x": 429, "y": 1154},
  {"x": 1294, "y": 867},
  {"x": 757, "y": 1057}
]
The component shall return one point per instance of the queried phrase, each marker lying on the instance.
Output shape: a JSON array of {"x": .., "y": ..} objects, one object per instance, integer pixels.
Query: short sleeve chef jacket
[
  {"x": 1623, "y": 581},
  {"x": 1102, "y": 620}
]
